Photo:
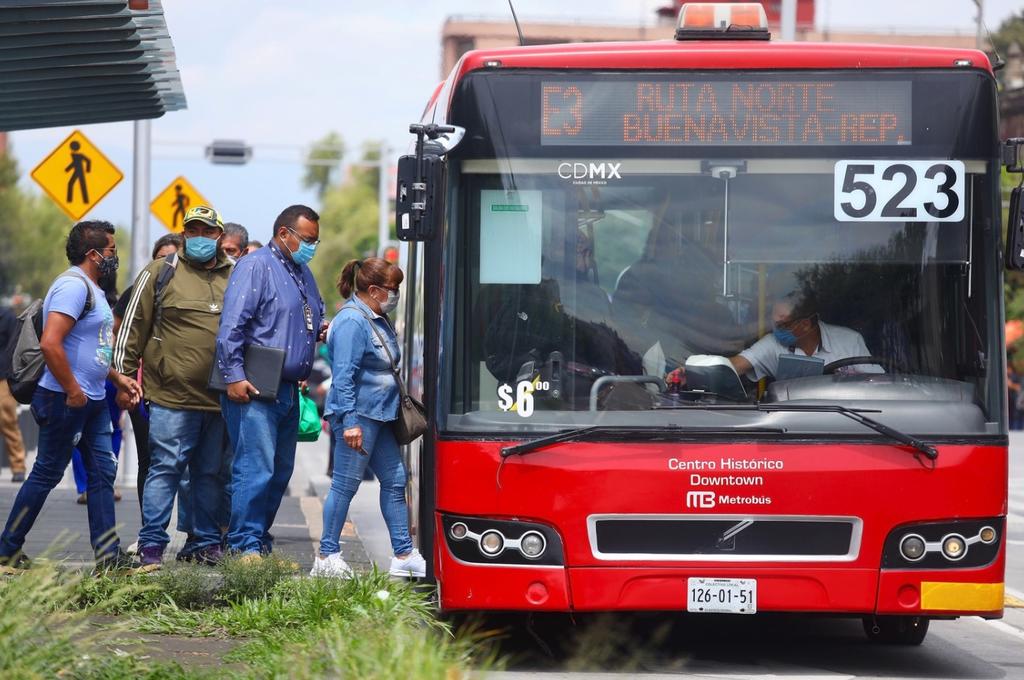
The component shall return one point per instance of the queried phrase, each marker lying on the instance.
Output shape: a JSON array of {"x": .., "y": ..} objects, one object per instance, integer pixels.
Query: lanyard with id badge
[{"x": 307, "y": 311}]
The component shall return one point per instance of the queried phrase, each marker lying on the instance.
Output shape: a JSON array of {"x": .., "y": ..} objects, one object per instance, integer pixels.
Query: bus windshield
[{"x": 609, "y": 266}]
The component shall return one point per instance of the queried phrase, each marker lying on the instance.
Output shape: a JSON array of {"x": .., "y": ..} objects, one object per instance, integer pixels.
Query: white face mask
[{"x": 391, "y": 303}]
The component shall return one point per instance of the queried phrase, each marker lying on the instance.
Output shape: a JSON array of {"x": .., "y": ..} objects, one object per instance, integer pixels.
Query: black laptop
[{"x": 263, "y": 366}]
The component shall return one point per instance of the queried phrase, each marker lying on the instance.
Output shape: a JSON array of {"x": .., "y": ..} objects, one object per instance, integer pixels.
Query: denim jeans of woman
[{"x": 385, "y": 459}]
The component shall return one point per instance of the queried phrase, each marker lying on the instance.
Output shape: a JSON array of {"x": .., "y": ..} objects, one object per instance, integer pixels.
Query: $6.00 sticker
[{"x": 523, "y": 402}]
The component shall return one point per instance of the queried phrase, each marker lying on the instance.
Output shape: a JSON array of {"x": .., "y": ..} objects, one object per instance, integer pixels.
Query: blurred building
[{"x": 461, "y": 34}]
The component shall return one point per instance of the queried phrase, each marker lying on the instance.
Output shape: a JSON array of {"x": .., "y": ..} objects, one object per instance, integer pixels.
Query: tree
[
  {"x": 1009, "y": 32},
  {"x": 322, "y": 161},
  {"x": 348, "y": 223}
]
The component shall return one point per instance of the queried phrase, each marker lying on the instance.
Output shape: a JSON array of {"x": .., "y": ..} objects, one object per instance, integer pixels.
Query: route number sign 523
[{"x": 899, "y": 191}]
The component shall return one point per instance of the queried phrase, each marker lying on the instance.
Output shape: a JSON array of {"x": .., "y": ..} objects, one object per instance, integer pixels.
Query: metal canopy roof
[{"x": 72, "y": 62}]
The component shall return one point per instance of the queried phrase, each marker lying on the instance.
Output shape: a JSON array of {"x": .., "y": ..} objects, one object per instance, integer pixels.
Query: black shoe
[
  {"x": 15, "y": 564},
  {"x": 17, "y": 477},
  {"x": 188, "y": 551},
  {"x": 118, "y": 564}
]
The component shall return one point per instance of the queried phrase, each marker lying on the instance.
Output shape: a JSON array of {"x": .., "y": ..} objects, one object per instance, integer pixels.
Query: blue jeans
[
  {"x": 60, "y": 429},
  {"x": 185, "y": 494},
  {"x": 180, "y": 439},
  {"x": 77, "y": 466},
  {"x": 386, "y": 461},
  {"x": 263, "y": 435}
]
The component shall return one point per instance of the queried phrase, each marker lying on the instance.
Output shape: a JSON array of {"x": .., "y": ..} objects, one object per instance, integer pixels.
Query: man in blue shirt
[
  {"x": 69, "y": 403},
  {"x": 272, "y": 300}
]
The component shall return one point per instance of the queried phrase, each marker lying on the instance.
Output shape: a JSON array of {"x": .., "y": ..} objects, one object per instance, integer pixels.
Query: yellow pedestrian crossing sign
[
  {"x": 173, "y": 202},
  {"x": 76, "y": 175}
]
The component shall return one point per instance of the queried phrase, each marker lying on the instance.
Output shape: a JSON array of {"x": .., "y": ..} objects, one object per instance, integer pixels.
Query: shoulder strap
[
  {"x": 89, "y": 302},
  {"x": 162, "y": 279},
  {"x": 380, "y": 337}
]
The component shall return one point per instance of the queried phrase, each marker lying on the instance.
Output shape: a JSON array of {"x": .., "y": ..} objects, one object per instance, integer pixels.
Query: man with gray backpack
[{"x": 62, "y": 356}]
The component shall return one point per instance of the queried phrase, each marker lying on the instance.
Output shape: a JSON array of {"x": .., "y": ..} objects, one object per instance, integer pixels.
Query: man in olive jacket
[{"x": 171, "y": 326}]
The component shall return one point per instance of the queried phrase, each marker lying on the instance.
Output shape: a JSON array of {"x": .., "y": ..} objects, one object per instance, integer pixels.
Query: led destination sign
[{"x": 724, "y": 113}]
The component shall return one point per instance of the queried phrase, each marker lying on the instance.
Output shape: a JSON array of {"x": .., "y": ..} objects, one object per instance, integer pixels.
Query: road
[{"x": 776, "y": 647}]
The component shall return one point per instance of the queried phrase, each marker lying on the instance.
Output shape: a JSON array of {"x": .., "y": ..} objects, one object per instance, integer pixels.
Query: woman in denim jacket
[{"x": 362, "y": 406}]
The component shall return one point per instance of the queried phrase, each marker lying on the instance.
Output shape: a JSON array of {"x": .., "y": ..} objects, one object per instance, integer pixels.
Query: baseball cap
[{"x": 204, "y": 214}]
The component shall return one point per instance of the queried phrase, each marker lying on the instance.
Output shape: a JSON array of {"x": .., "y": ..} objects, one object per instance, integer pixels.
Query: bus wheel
[{"x": 896, "y": 630}]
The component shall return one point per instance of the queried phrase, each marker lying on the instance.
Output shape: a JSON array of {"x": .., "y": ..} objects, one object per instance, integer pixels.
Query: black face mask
[
  {"x": 108, "y": 267},
  {"x": 108, "y": 281}
]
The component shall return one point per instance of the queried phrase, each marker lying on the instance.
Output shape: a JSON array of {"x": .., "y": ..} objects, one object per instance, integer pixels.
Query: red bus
[{"x": 708, "y": 325}]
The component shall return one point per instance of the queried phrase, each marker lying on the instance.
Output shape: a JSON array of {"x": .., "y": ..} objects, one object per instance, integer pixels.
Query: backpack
[
  {"x": 26, "y": 357},
  {"x": 162, "y": 279}
]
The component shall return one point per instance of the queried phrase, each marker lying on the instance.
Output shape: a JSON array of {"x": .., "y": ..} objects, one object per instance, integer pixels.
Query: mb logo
[{"x": 700, "y": 499}]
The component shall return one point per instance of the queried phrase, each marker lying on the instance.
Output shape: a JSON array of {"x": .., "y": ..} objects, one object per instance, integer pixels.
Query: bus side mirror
[
  {"x": 419, "y": 201},
  {"x": 1015, "y": 232}
]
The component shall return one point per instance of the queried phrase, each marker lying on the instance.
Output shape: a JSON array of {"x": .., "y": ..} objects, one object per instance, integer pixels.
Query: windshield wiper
[
  {"x": 653, "y": 432},
  {"x": 930, "y": 452},
  {"x": 853, "y": 414}
]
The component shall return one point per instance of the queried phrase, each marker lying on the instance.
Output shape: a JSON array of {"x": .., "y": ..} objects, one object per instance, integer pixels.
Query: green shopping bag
[{"x": 309, "y": 418}]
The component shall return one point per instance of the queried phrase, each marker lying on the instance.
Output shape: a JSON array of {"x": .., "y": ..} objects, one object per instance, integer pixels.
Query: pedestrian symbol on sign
[
  {"x": 76, "y": 175},
  {"x": 171, "y": 204},
  {"x": 78, "y": 172},
  {"x": 180, "y": 205}
]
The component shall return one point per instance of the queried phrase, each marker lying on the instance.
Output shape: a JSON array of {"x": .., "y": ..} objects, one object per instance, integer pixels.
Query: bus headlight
[
  {"x": 960, "y": 543},
  {"x": 501, "y": 542},
  {"x": 954, "y": 547},
  {"x": 912, "y": 547},
  {"x": 531, "y": 545},
  {"x": 492, "y": 543}
]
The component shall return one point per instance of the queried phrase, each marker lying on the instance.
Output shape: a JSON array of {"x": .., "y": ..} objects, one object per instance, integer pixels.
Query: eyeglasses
[
  {"x": 314, "y": 242},
  {"x": 791, "y": 323},
  {"x": 388, "y": 288}
]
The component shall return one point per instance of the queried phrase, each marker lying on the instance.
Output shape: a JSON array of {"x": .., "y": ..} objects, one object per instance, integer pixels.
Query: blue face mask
[
  {"x": 200, "y": 248},
  {"x": 784, "y": 336},
  {"x": 304, "y": 254}
]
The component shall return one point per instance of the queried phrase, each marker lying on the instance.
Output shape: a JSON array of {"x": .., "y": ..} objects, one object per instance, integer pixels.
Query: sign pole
[
  {"x": 788, "y": 28},
  {"x": 140, "y": 198}
]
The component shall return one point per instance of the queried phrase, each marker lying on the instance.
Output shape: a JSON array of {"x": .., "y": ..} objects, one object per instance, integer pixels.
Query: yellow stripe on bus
[{"x": 981, "y": 597}]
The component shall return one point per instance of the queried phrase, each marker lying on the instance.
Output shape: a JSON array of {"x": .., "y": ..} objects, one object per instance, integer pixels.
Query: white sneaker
[
  {"x": 413, "y": 566},
  {"x": 133, "y": 549},
  {"x": 331, "y": 566}
]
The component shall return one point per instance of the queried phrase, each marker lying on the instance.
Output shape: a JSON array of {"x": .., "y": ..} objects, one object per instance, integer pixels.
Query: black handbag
[{"x": 412, "y": 416}]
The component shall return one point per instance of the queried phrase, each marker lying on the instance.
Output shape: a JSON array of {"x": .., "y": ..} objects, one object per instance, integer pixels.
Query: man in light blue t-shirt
[{"x": 69, "y": 403}]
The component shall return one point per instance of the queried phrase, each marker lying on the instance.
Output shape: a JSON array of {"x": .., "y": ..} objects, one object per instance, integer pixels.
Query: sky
[{"x": 281, "y": 74}]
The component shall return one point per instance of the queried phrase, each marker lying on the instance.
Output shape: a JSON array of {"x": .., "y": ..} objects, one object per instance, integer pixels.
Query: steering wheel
[{"x": 887, "y": 363}]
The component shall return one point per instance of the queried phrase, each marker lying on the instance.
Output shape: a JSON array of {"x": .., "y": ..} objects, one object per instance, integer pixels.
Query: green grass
[
  {"x": 46, "y": 633},
  {"x": 288, "y": 626}
]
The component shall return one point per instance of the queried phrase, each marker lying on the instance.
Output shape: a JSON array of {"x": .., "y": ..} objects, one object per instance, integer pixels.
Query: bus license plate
[{"x": 721, "y": 595}]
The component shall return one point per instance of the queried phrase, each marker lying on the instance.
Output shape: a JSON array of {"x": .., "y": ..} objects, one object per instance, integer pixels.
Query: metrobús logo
[
  {"x": 714, "y": 475},
  {"x": 589, "y": 173}
]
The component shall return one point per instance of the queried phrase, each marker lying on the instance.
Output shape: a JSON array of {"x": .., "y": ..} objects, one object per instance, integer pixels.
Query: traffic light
[
  {"x": 228, "y": 152},
  {"x": 390, "y": 252}
]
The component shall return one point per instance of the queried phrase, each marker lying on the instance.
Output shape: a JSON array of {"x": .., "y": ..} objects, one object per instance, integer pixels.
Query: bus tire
[{"x": 896, "y": 630}]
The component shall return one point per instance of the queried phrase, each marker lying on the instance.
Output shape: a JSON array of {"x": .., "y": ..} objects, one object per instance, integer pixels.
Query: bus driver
[{"x": 798, "y": 330}]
